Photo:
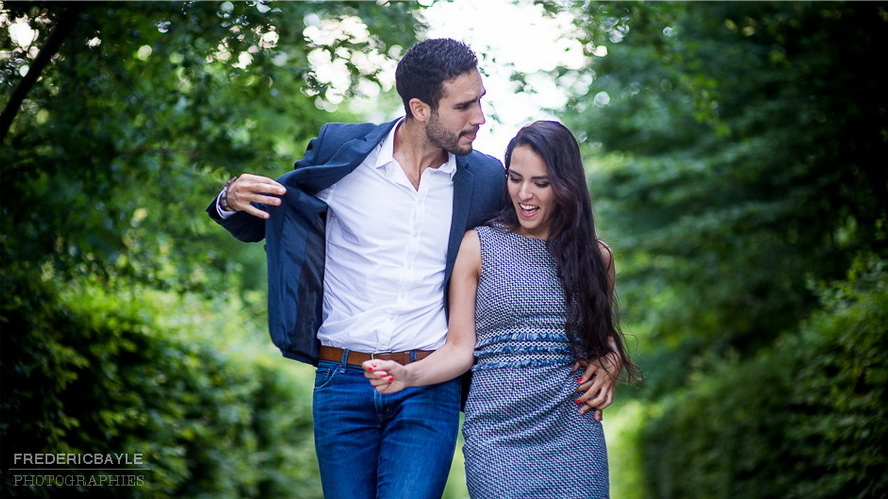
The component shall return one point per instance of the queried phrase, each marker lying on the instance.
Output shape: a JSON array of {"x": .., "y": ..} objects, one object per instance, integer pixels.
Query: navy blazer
[{"x": 295, "y": 232}]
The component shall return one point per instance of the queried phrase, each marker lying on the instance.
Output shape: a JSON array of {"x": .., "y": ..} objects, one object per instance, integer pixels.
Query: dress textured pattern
[{"x": 524, "y": 436}]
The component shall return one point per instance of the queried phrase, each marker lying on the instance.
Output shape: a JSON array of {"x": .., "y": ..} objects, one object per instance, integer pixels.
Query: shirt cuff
[{"x": 223, "y": 214}]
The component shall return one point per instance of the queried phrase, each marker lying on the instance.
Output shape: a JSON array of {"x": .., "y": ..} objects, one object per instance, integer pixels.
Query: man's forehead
[{"x": 465, "y": 86}]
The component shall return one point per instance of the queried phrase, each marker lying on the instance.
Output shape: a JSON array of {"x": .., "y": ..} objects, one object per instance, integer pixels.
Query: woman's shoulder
[
  {"x": 604, "y": 247},
  {"x": 493, "y": 228},
  {"x": 607, "y": 254}
]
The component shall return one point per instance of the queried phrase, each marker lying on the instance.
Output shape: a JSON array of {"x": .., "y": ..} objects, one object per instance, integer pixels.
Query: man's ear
[{"x": 421, "y": 111}]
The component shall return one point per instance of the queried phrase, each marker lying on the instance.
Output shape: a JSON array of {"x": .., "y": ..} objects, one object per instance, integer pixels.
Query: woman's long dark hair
[{"x": 581, "y": 261}]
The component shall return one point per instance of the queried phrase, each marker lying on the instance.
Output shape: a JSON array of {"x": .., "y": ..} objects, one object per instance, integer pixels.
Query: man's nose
[{"x": 478, "y": 119}]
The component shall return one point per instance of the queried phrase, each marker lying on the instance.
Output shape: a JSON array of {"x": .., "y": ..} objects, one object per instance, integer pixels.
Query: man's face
[{"x": 454, "y": 125}]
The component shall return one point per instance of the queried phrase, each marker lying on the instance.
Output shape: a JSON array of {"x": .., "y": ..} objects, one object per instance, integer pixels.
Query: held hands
[
  {"x": 598, "y": 381},
  {"x": 254, "y": 189},
  {"x": 387, "y": 376}
]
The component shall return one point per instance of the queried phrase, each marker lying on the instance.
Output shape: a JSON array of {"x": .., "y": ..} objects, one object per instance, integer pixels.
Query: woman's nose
[{"x": 524, "y": 192}]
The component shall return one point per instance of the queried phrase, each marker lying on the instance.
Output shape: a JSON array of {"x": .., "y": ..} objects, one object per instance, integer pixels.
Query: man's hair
[{"x": 422, "y": 71}]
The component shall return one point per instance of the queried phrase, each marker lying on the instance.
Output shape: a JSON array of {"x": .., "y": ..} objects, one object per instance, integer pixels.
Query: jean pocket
[{"x": 324, "y": 376}]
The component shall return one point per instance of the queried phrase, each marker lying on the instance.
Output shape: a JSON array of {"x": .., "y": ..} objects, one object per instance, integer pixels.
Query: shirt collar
[{"x": 386, "y": 157}]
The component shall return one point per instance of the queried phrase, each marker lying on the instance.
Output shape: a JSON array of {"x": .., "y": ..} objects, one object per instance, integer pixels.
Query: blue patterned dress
[{"x": 524, "y": 436}]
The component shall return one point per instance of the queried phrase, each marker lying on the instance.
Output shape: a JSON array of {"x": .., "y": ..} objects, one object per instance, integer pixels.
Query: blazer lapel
[
  {"x": 463, "y": 186},
  {"x": 344, "y": 161}
]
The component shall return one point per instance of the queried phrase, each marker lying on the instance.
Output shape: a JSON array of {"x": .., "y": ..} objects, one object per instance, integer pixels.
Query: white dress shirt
[{"x": 386, "y": 253}]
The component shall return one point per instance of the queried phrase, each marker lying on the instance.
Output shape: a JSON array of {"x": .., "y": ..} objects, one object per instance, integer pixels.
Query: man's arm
[
  {"x": 238, "y": 214},
  {"x": 248, "y": 189},
  {"x": 244, "y": 224}
]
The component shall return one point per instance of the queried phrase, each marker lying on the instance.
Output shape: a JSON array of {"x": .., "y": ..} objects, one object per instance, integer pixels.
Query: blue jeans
[{"x": 371, "y": 445}]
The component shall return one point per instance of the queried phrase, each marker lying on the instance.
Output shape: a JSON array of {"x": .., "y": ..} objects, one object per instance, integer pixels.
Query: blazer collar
[
  {"x": 346, "y": 158},
  {"x": 354, "y": 151}
]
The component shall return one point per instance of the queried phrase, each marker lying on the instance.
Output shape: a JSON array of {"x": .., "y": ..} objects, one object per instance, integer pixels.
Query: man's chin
[{"x": 462, "y": 151}]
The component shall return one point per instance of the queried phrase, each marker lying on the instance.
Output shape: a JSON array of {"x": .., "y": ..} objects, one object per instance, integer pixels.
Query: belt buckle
[{"x": 373, "y": 355}]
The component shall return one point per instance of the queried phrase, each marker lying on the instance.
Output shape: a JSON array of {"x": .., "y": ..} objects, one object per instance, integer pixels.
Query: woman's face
[{"x": 531, "y": 192}]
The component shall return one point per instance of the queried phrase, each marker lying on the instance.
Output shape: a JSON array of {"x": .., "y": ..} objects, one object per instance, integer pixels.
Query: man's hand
[
  {"x": 254, "y": 189},
  {"x": 598, "y": 381}
]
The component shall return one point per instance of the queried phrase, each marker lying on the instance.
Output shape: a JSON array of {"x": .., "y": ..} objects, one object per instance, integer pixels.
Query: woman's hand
[{"x": 387, "y": 376}]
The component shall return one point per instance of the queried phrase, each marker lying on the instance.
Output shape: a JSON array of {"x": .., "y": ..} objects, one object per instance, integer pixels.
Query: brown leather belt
[{"x": 357, "y": 358}]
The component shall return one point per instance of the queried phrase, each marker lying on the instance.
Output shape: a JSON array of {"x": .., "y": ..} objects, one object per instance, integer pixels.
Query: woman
[{"x": 530, "y": 301}]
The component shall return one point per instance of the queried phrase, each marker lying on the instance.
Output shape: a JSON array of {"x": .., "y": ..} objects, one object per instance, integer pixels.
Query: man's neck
[{"x": 414, "y": 152}]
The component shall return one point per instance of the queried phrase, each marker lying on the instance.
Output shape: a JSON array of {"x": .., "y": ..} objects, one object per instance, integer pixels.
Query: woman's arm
[{"x": 456, "y": 356}]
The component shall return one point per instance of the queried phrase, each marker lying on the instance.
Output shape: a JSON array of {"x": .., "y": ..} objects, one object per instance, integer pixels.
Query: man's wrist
[{"x": 223, "y": 196}]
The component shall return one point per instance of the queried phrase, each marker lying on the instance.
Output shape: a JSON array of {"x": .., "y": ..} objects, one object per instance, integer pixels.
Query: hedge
[
  {"x": 105, "y": 377},
  {"x": 807, "y": 419}
]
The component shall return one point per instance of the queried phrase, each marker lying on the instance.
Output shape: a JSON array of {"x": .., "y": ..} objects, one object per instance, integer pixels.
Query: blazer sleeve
[
  {"x": 247, "y": 228},
  {"x": 241, "y": 225}
]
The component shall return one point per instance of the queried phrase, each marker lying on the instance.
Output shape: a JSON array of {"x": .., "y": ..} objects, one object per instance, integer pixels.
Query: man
[{"x": 361, "y": 238}]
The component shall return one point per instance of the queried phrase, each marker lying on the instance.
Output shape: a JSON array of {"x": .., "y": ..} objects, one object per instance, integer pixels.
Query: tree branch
[{"x": 66, "y": 21}]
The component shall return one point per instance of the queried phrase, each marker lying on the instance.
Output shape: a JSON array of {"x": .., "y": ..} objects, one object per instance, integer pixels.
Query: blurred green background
[{"x": 736, "y": 154}]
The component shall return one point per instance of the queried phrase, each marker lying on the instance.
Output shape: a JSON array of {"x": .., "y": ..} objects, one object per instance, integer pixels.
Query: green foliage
[
  {"x": 807, "y": 419},
  {"x": 742, "y": 152},
  {"x": 623, "y": 425},
  {"x": 146, "y": 110},
  {"x": 95, "y": 373},
  {"x": 130, "y": 321},
  {"x": 737, "y": 153}
]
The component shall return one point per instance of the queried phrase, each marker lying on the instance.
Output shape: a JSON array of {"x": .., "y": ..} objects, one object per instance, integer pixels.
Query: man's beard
[{"x": 443, "y": 138}]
